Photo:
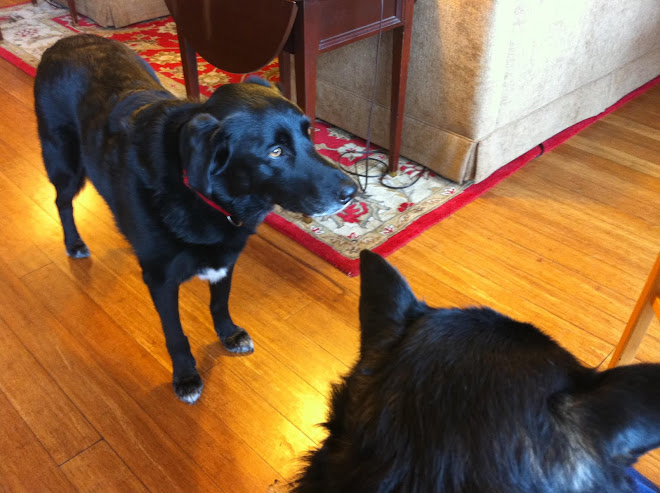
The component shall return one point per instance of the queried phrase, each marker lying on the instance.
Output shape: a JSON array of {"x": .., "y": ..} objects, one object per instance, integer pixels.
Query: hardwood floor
[{"x": 85, "y": 394}]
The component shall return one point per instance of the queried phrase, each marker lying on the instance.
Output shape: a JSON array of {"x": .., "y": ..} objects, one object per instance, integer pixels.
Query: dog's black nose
[{"x": 347, "y": 191}]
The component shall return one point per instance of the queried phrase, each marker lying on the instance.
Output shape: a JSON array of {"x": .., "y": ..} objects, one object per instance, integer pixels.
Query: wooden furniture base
[
  {"x": 323, "y": 25},
  {"x": 642, "y": 315},
  {"x": 304, "y": 29},
  {"x": 72, "y": 10},
  {"x": 238, "y": 37}
]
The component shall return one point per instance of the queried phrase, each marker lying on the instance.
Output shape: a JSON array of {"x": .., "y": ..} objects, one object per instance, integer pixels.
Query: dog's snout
[{"x": 347, "y": 191}]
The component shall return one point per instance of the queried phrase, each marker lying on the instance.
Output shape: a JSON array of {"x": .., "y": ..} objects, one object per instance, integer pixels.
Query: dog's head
[
  {"x": 470, "y": 400},
  {"x": 248, "y": 140}
]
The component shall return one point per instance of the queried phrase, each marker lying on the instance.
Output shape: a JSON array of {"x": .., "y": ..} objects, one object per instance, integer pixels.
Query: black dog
[
  {"x": 453, "y": 400},
  {"x": 188, "y": 183}
]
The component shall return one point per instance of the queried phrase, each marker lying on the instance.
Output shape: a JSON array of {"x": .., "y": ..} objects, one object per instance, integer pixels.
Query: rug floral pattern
[{"x": 374, "y": 217}]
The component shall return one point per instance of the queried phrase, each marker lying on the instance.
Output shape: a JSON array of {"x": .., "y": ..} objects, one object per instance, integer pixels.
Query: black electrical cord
[
  {"x": 367, "y": 175},
  {"x": 348, "y": 169},
  {"x": 373, "y": 96},
  {"x": 52, "y": 3}
]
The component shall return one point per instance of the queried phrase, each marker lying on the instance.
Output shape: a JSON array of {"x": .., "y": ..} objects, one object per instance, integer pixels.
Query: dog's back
[
  {"x": 84, "y": 89},
  {"x": 72, "y": 65},
  {"x": 472, "y": 401}
]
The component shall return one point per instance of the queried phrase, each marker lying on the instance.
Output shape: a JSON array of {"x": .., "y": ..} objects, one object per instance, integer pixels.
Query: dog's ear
[
  {"x": 203, "y": 150},
  {"x": 621, "y": 410},
  {"x": 387, "y": 304}
]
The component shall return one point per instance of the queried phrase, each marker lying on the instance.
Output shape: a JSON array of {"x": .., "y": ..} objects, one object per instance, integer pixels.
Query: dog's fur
[
  {"x": 453, "y": 400},
  {"x": 102, "y": 114}
]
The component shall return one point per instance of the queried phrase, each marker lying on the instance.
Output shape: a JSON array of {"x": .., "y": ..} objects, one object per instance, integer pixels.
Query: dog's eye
[{"x": 277, "y": 152}]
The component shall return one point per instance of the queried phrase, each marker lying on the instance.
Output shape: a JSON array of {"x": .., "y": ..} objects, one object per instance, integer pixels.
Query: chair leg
[
  {"x": 308, "y": 37},
  {"x": 400, "y": 57},
  {"x": 72, "y": 11},
  {"x": 189, "y": 64},
  {"x": 642, "y": 315},
  {"x": 285, "y": 73}
]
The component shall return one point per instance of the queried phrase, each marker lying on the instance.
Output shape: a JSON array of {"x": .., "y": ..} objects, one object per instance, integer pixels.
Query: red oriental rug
[{"x": 383, "y": 218}]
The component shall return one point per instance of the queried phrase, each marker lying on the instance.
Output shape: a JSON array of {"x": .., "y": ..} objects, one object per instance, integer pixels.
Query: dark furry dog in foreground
[
  {"x": 453, "y": 400},
  {"x": 187, "y": 182}
]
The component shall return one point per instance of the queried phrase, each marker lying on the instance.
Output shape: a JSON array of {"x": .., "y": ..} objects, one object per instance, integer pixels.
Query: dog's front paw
[
  {"x": 188, "y": 389},
  {"x": 78, "y": 250},
  {"x": 239, "y": 342}
]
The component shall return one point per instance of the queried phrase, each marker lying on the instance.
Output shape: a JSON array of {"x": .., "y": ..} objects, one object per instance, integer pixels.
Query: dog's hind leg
[
  {"x": 61, "y": 153},
  {"x": 233, "y": 337},
  {"x": 186, "y": 381}
]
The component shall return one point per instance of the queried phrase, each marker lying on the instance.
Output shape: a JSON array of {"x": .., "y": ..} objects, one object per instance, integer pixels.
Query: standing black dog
[
  {"x": 449, "y": 400},
  {"x": 188, "y": 183}
]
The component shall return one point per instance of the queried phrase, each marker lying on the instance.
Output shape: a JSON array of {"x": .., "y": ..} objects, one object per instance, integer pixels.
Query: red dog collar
[{"x": 218, "y": 208}]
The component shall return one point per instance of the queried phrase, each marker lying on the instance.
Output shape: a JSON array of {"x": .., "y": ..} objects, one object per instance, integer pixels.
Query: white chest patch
[{"x": 212, "y": 275}]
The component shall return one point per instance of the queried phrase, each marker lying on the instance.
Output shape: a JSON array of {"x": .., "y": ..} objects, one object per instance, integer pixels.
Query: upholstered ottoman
[{"x": 120, "y": 13}]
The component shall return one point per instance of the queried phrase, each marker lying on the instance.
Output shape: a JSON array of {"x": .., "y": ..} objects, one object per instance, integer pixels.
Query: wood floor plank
[
  {"x": 592, "y": 243},
  {"x": 634, "y": 127},
  {"x": 636, "y": 181},
  {"x": 25, "y": 464},
  {"x": 260, "y": 252},
  {"x": 320, "y": 323},
  {"x": 557, "y": 187},
  {"x": 518, "y": 258},
  {"x": 590, "y": 305},
  {"x": 635, "y": 149},
  {"x": 56, "y": 422},
  {"x": 295, "y": 350},
  {"x": 13, "y": 80},
  {"x": 17, "y": 247},
  {"x": 512, "y": 226},
  {"x": 636, "y": 201},
  {"x": 582, "y": 232},
  {"x": 14, "y": 110},
  {"x": 627, "y": 136},
  {"x": 23, "y": 256},
  {"x": 649, "y": 465},
  {"x": 307, "y": 260},
  {"x": 288, "y": 370},
  {"x": 155, "y": 458},
  {"x": 514, "y": 278},
  {"x": 149, "y": 384},
  {"x": 588, "y": 348},
  {"x": 644, "y": 110},
  {"x": 100, "y": 469}
]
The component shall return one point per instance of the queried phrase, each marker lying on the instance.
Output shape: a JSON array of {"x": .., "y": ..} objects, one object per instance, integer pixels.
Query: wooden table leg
[
  {"x": 285, "y": 73},
  {"x": 402, "y": 37},
  {"x": 72, "y": 11},
  {"x": 189, "y": 64},
  {"x": 308, "y": 37},
  {"x": 640, "y": 319}
]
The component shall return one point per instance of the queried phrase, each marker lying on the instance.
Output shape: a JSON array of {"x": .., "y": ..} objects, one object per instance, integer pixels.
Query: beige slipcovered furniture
[
  {"x": 490, "y": 80},
  {"x": 119, "y": 13}
]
